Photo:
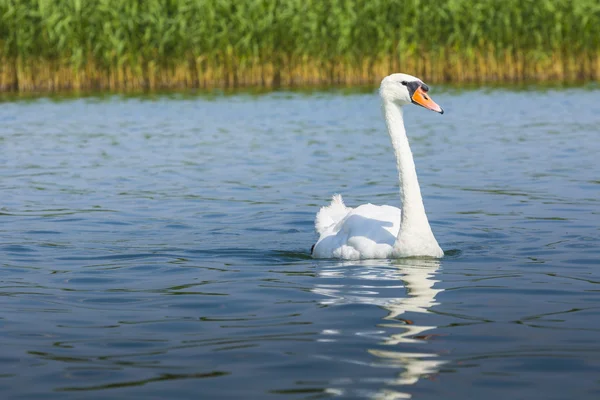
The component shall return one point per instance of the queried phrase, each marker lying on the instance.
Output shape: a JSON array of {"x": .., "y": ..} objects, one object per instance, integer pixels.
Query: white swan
[{"x": 370, "y": 231}]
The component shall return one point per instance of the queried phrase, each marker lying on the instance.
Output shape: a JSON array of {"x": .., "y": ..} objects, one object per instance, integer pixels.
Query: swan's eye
[{"x": 404, "y": 83}]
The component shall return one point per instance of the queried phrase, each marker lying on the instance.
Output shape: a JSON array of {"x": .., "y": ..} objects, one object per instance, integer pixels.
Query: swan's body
[{"x": 370, "y": 231}]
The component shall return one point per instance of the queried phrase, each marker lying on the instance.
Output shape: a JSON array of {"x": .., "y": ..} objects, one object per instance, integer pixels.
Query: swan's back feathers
[
  {"x": 367, "y": 231},
  {"x": 331, "y": 214}
]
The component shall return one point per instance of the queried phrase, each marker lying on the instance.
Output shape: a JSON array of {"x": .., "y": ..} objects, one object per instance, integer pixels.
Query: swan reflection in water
[{"x": 410, "y": 289}]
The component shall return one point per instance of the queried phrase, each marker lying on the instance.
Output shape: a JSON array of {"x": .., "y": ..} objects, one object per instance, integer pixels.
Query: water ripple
[{"x": 157, "y": 248}]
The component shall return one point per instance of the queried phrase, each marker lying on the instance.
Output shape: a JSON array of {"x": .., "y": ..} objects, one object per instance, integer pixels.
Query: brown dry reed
[{"x": 51, "y": 45}]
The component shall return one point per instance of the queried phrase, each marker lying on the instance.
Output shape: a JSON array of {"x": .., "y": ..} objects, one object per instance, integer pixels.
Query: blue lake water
[{"x": 159, "y": 248}]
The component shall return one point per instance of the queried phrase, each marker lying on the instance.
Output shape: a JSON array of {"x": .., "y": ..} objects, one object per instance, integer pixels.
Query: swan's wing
[
  {"x": 367, "y": 231},
  {"x": 331, "y": 215}
]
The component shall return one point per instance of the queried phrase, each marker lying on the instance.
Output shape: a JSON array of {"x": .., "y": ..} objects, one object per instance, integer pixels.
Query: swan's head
[{"x": 404, "y": 89}]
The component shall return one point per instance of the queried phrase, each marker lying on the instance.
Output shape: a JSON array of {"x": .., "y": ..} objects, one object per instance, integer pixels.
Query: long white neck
[{"x": 415, "y": 237}]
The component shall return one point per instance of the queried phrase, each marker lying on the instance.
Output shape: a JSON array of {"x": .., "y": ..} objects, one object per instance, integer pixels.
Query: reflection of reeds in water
[
  {"x": 133, "y": 45},
  {"x": 418, "y": 295}
]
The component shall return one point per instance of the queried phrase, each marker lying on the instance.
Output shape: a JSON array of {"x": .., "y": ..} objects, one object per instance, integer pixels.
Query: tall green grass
[{"x": 135, "y": 44}]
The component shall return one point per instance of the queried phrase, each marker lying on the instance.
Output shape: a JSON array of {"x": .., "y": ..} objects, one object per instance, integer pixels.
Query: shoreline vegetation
[{"x": 133, "y": 45}]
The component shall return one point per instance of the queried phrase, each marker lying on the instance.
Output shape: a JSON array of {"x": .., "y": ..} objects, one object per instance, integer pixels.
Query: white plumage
[
  {"x": 367, "y": 231},
  {"x": 371, "y": 231}
]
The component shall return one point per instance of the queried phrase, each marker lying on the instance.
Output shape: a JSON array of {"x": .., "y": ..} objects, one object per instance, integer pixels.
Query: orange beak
[{"x": 421, "y": 98}]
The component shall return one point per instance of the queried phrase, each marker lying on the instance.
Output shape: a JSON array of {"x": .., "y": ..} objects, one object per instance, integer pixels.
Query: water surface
[{"x": 159, "y": 248}]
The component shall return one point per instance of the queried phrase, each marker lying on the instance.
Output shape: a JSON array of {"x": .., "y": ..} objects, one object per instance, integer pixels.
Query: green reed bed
[{"x": 150, "y": 44}]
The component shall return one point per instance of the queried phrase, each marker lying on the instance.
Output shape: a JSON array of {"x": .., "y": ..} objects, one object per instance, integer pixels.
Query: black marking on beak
[{"x": 412, "y": 87}]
